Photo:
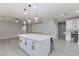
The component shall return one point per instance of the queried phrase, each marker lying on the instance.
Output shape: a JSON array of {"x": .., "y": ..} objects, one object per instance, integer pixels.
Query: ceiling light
[
  {"x": 24, "y": 9},
  {"x": 29, "y": 13},
  {"x": 36, "y": 18},
  {"x": 62, "y": 14},
  {"x": 77, "y": 11},
  {"x": 17, "y": 20},
  {"x": 24, "y": 22},
  {"x": 34, "y": 6},
  {"x": 65, "y": 14},
  {"x": 24, "y": 13},
  {"x": 24, "y": 3},
  {"x": 29, "y": 20}
]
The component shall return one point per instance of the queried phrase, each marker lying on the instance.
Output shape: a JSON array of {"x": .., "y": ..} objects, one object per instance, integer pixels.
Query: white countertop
[{"x": 37, "y": 37}]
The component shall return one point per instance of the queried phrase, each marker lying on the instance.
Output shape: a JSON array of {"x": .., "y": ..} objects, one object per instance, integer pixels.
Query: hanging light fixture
[
  {"x": 36, "y": 16},
  {"x": 17, "y": 20},
  {"x": 24, "y": 11},
  {"x": 24, "y": 3},
  {"x": 29, "y": 14},
  {"x": 29, "y": 20},
  {"x": 24, "y": 22},
  {"x": 34, "y": 6}
]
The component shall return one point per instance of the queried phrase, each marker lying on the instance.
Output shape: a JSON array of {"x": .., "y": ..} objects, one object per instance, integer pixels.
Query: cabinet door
[
  {"x": 33, "y": 47},
  {"x": 68, "y": 36},
  {"x": 74, "y": 24},
  {"x": 22, "y": 42},
  {"x": 27, "y": 47},
  {"x": 78, "y": 23},
  {"x": 68, "y": 24}
]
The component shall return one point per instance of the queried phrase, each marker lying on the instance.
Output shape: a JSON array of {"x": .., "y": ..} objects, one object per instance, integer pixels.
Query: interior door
[{"x": 61, "y": 30}]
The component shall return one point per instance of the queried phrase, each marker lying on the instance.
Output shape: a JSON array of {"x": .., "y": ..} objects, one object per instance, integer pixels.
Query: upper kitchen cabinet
[
  {"x": 78, "y": 24},
  {"x": 72, "y": 24},
  {"x": 68, "y": 24},
  {"x": 75, "y": 24}
]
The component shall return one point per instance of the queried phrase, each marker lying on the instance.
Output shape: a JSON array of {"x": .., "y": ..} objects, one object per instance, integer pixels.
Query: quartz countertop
[{"x": 37, "y": 37}]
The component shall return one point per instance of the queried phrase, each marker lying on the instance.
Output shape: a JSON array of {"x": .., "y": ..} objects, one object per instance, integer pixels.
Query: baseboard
[{"x": 9, "y": 37}]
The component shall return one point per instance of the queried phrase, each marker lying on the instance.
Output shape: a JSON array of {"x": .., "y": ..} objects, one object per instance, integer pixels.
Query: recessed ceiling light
[
  {"x": 34, "y": 6},
  {"x": 24, "y": 13},
  {"x": 24, "y": 3},
  {"x": 62, "y": 14},
  {"x": 65, "y": 14},
  {"x": 77, "y": 11}
]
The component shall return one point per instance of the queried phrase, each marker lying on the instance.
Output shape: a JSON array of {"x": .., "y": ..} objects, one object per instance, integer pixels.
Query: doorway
[{"x": 61, "y": 30}]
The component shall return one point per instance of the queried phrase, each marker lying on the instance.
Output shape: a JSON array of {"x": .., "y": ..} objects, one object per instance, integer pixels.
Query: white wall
[
  {"x": 9, "y": 28},
  {"x": 49, "y": 26},
  {"x": 29, "y": 28}
]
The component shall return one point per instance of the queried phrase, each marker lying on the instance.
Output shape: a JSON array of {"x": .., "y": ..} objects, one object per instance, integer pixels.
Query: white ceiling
[{"x": 44, "y": 10}]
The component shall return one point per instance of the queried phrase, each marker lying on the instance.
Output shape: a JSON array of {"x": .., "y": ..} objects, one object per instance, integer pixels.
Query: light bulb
[
  {"x": 24, "y": 22},
  {"x": 24, "y": 13},
  {"x": 17, "y": 20},
  {"x": 36, "y": 18},
  {"x": 24, "y": 3},
  {"x": 62, "y": 14},
  {"x": 77, "y": 11},
  {"x": 34, "y": 6},
  {"x": 29, "y": 20}
]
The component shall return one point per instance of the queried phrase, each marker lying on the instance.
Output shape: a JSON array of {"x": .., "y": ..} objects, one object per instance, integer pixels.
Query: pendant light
[
  {"x": 29, "y": 20},
  {"x": 17, "y": 20},
  {"x": 36, "y": 17},
  {"x": 24, "y": 22},
  {"x": 29, "y": 14}
]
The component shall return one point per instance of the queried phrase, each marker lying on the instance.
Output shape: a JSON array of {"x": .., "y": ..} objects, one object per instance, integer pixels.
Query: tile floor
[
  {"x": 63, "y": 48},
  {"x": 10, "y": 47}
]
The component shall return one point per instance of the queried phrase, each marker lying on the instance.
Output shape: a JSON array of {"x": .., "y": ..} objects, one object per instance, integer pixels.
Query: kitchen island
[{"x": 36, "y": 44}]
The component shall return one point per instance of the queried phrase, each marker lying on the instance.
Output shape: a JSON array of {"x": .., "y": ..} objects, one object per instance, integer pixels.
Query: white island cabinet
[{"x": 35, "y": 44}]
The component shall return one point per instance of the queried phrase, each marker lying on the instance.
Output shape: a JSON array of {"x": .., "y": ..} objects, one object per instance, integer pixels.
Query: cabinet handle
[
  {"x": 33, "y": 42},
  {"x": 33, "y": 47},
  {"x": 20, "y": 40},
  {"x": 25, "y": 43}
]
